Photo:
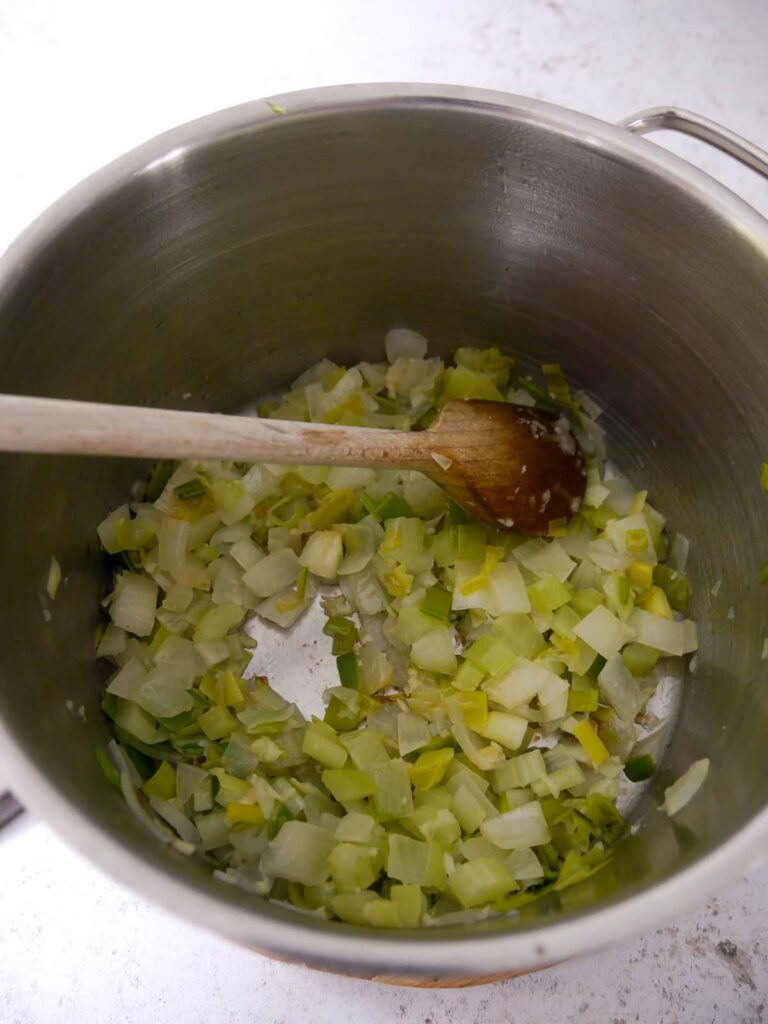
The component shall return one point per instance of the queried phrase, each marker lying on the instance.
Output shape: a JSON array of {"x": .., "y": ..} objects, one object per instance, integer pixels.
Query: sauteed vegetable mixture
[{"x": 490, "y": 691}]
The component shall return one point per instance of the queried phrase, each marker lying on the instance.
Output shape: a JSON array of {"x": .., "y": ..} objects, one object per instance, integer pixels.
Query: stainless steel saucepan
[{"x": 221, "y": 259}]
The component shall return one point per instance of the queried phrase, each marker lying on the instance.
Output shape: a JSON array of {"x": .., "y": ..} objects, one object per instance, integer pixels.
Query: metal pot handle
[{"x": 678, "y": 120}]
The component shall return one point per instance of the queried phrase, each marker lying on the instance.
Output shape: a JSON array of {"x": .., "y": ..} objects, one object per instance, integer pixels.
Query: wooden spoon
[{"x": 511, "y": 466}]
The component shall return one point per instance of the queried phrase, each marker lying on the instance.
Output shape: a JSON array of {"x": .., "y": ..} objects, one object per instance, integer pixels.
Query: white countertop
[
  {"x": 77, "y": 949},
  {"x": 82, "y": 82}
]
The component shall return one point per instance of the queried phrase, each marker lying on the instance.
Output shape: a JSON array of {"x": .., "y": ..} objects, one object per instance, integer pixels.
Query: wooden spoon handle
[{"x": 89, "y": 428}]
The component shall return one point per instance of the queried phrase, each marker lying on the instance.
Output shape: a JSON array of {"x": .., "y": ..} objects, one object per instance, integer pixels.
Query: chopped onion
[
  {"x": 544, "y": 558},
  {"x": 273, "y": 573},
  {"x": 133, "y": 604},
  {"x": 687, "y": 786},
  {"x": 322, "y": 554},
  {"x": 107, "y": 529},
  {"x": 666, "y": 635},
  {"x": 519, "y": 829},
  {"x": 619, "y": 689},
  {"x": 176, "y": 819},
  {"x": 605, "y": 633},
  {"x": 434, "y": 652},
  {"x": 173, "y": 543},
  {"x": 401, "y": 343},
  {"x": 284, "y": 608},
  {"x": 112, "y": 642},
  {"x": 470, "y": 662}
]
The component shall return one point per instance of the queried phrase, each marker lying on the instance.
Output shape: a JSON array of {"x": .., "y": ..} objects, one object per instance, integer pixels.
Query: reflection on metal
[
  {"x": 173, "y": 158},
  {"x": 677, "y": 120},
  {"x": 9, "y": 808}
]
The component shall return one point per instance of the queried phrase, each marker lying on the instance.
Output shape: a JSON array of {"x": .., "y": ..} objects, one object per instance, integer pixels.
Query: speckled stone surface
[{"x": 82, "y": 82}]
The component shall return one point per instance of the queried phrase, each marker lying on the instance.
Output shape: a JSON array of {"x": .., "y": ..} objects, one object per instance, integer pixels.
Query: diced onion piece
[
  {"x": 322, "y": 554},
  {"x": 524, "y": 866},
  {"x": 503, "y": 590},
  {"x": 402, "y": 343},
  {"x": 375, "y": 668},
  {"x": 173, "y": 542},
  {"x": 679, "y": 793},
  {"x": 299, "y": 853},
  {"x": 285, "y": 607},
  {"x": 177, "y": 598},
  {"x": 554, "y": 709},
  {"x": 519, "y": 772},
  {"x": 230, "y": 534},
  {"x": 434, "y": 652},
  {"x": 357, "y": 827},
  {"x": 112, "y": 642},
  {"x": 509, "y": 594},
  {"x": 365, "y": 592},
  {"x": 504, "y": 728},
  {"x": 176, "y": 819},
  {"x": 127, "y": 682},
  {"x": 519, "y": 829},
  {"x": 217, "y": 622},
  {"x": 619, "y": 688},
  {"x": 666, "y": 635},
  {"x": 165, "y": 691},
  {"x": 544, "y": 558},
  {"x": 273, "y": 573},
  {"x": 468, "y": 808},
  {"x": 485, "y": 755},
  {"x": 107, "y": 529},
  {"x": 605, "y": 632},
  {"x": 359, "y": 547},
  {"x": 392, "y": 798},
  {"x": 134, "y": 603},
  {"x": 246, "y": 553},
  {"x": 522, "y": 682},
  {"x": 606, "y": 557},
  {"x": 213, "y": 652},
  {"x": 632, "y": 536},
  {"x": 423, "y": 495},
  {"x": 412, "y": 733},
  {"x": 481, "y": 881},
  {"x": 259, "y": 482},
  {"x": 176, "y": 650},
  {"x": 407, "y": 859},
  {"x": 234, "y": 501}
]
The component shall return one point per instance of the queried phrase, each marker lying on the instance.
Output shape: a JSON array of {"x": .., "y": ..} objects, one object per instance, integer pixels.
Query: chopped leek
[
  {"x": 348, "y": 666},
  {"x": 437, "y": 603},
  {"x": 488, "y": 684},
  {"x": 481, "y": 881},
  {"x": 429, "y": 768},
  {"x": 593, "y": 746},
  {"x": 299, "y": 853},
  {"x": 194, "y": 488},
  {"x": 392, "y": 506},
  {"x": 519, "y": 829},
  {"x": 348, "y": 784},
  {"x": 640, "y": 768}
]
